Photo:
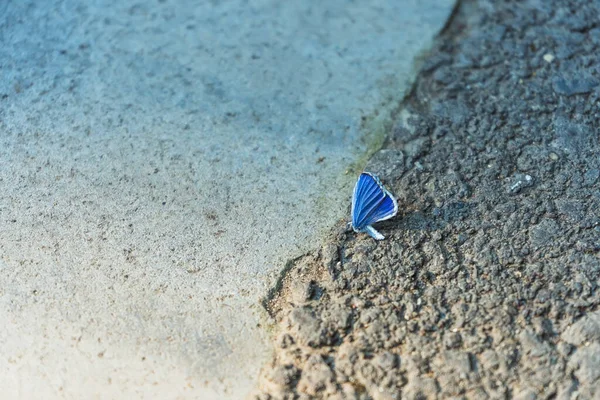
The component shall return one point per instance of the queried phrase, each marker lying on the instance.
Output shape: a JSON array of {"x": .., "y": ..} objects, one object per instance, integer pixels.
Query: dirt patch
[{"x": 487, "y": 283}]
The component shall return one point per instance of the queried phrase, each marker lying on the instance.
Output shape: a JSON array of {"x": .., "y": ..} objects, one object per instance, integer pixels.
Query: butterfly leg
[{"x": 374, "y": 234}]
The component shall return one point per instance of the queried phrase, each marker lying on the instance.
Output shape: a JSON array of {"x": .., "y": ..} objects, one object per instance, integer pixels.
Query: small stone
[
  {"x": 548, "y": 57},
  {"x": 519, "y": 182}
]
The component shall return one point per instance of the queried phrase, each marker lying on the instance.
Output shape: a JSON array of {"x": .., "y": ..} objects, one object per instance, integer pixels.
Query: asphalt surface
[{"x": 487, "y": 283}]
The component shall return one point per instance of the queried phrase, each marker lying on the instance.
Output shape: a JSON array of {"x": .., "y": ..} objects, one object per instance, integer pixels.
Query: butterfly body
[{"x": 371, "y": 203}]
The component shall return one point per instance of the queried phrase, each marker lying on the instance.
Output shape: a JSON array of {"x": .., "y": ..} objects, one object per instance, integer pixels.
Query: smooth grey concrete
[{"x": 160, "y": 162}]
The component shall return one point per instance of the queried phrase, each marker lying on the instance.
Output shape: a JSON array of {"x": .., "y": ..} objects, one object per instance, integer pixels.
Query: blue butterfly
[{"x": 371, "y": 203}]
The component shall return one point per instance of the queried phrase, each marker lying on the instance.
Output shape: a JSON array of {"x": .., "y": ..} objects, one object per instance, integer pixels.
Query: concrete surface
[
  {"x": 160, "y": 161},
  {"x": 487, "y": 285}
]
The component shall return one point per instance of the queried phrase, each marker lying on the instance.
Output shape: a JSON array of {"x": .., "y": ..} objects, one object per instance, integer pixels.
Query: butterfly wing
[{"x": 371, "y": 202}]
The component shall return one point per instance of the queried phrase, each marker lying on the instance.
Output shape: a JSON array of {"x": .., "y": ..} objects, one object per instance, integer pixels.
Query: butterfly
[{"x": 371, "y": 203}]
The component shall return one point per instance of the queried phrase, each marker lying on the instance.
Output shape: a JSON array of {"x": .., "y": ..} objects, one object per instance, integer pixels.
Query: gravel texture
[{"x": 487, "y": 283}]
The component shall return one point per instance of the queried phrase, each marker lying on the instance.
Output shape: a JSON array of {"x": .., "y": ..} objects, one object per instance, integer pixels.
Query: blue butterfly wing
[
  {"x": 371, "y": 202},
  {"x": 366, "y": 193},
  {"x": 386, "y": 209}
]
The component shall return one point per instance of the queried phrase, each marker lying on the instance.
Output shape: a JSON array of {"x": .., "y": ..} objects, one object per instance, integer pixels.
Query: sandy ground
[
  {"x": 160, "y": 162},
  {"x": 487, "y": 284}
]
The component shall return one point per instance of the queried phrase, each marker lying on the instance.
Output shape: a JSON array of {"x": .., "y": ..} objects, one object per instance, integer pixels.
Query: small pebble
[{"x": 519, "y": 182}]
